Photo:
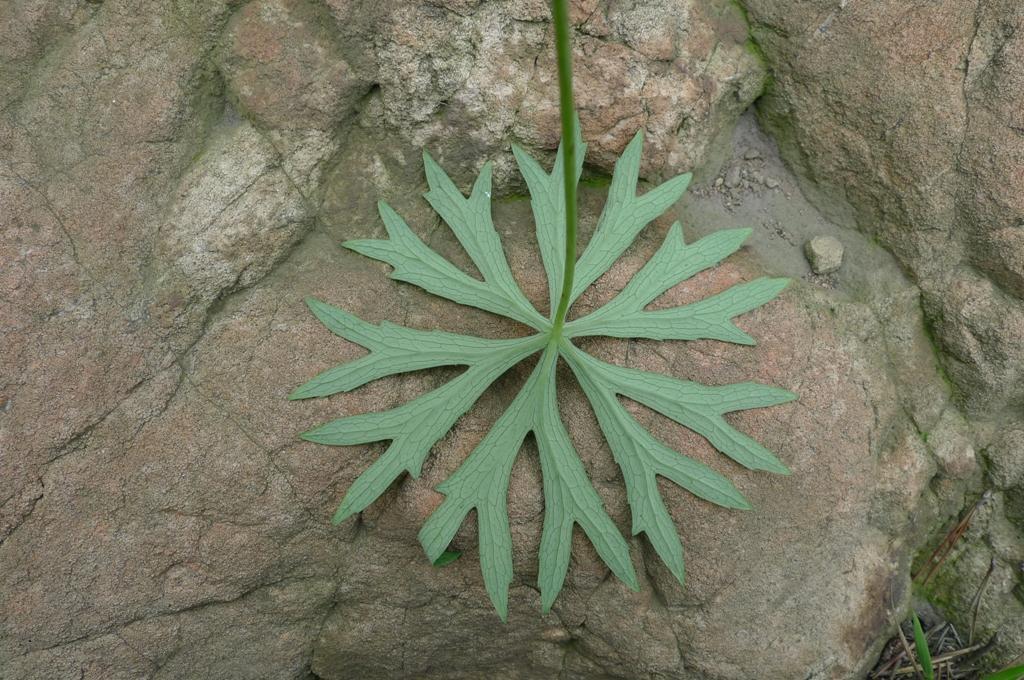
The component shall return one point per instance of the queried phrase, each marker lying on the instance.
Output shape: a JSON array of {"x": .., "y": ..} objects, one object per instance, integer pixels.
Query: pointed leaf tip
[
  {"x": 743, "y": 338},
  {"x": 340, "y": 515},
  {"x": 318, "y": 307},
  {"x": 447, "y": 557},
  {"x": 779, "y": 468},
  {"x": 310, "y": 436}
]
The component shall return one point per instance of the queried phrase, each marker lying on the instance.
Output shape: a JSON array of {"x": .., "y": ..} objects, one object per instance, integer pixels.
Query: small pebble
[
  {"x": 751, "y": 154},
  {"x": 556, "y": 634},
  {"x": 824, "y": 253},
  {"x": 771, "y": 183},
  {"x": 718, "y": 181},
  {"x": 732, "y": 178}
]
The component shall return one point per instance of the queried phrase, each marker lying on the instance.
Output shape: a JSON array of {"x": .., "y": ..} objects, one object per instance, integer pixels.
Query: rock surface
[
  {"x": 906, "y": 121},
  {"x": 192, "y": 504},
  {"x": 176, "y": 177},
  {"x": 925, "y": 146}
]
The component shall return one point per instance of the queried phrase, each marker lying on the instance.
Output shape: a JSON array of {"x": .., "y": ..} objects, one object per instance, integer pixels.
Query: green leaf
[
  {"x": 924, "y": 655},
  {"x": 672, "y": 264},
  {"x": 393, "y": 349},
  {"x": 569, "y": 499},
  {"x": 624, "y": 215},
  {"x": 695, "y": 406},
  {"x": 1013, "y": 673},
  {"x": 481, "y": 482},
  {"x": 417, "y": 264},
  {"x": 547, "y": 198},
  {"x": 413, "y": 428},
  {"x": 642, "y": 458},
  {"x": 447, "y": 557},
  {"x": 708, "y": 319},
  {"x": 470, "y": 220}
]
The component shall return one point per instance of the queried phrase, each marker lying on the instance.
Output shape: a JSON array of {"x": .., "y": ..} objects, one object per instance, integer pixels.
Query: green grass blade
[
  {"x": 1012, "y": 673},
  {"x": 924, "y": 655}
]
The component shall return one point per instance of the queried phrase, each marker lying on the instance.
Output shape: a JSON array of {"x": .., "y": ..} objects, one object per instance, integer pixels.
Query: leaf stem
[{"x": 567, "y": 108}]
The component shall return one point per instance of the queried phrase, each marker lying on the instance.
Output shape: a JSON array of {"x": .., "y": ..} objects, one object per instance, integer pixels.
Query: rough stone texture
[
  {"x": 175, "y": 178},
  {"x": 1006, "y": 459},
  {"x": 678, "y": 69},
  {"x": 825, "y": 253},
  {"x": 911, "y": 114},
  {"x": 905, "y": 120}
]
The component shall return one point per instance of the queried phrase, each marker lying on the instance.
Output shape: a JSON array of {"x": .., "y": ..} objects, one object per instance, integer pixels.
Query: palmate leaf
[{"x": 480, "y": 484}]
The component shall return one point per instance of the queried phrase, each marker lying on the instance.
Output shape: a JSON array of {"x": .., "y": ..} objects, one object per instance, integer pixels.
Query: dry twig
[{"x": 943, "y": 550}]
